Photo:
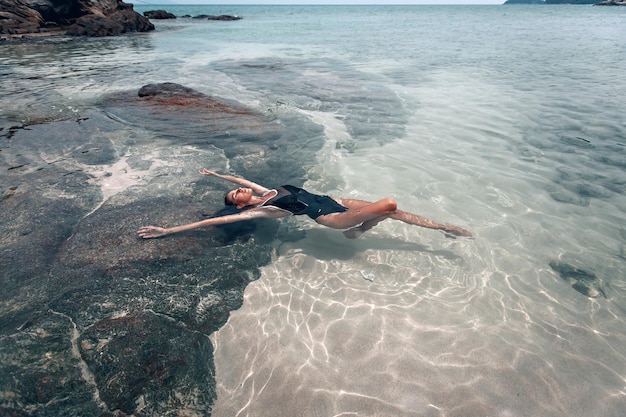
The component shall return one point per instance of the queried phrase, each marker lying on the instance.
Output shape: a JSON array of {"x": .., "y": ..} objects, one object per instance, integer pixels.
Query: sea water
[{"x": 505, "y": 120}]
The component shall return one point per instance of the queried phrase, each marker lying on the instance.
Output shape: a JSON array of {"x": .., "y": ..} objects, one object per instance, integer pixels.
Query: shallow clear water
[{"x": 507, "y": 121}]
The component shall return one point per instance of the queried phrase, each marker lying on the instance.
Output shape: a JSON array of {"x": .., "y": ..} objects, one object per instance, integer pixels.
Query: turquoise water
[{"x": 508, "y": 121}]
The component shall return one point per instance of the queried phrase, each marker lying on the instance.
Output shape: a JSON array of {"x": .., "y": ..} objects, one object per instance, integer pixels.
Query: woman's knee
[{"x": 389, "y": 204}]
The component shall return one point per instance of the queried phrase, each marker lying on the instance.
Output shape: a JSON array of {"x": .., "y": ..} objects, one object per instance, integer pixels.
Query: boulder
[
  {"x": 167, "y": 90},
  {"x": 59, "y": 11},
  {"x": 549, "y": 2},
  {"x": 159, "y": 14},
  {"x": 224, "y": 17},
  {"x": 17, "y": 18},
  {"x": 122, "y": 19},
  {"x": 72, "y": 17}
]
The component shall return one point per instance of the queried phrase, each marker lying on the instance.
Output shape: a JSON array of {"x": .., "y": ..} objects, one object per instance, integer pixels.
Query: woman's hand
[
  {"x": 149, "y": 232},
  {"x": 259, "y": 189}
]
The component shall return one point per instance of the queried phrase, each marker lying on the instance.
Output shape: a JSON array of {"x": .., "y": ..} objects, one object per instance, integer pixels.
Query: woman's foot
[{"x": 452, "y": 231}]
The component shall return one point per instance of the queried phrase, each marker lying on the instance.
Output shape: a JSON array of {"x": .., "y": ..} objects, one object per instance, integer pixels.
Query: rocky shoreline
[
  {"x": 93, "y": 18},
  {"x": 164, "y": 14},
  {"x": 612, "y": 3},
  {"x": 575, "y": 2}
]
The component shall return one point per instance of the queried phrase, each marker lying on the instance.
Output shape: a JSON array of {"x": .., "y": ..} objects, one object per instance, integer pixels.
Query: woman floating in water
[{"x": 357, "y": 216}]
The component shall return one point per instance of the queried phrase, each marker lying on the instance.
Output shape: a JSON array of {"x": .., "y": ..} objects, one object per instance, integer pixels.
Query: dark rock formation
[
  {"x": 612, "y": 3},
  {"x": 159, "y": 14},
  {"x": 59, "y": 11},
  {"x": 510, "y": 2},
  {"x": 17, "y": 18},
  {"x": 548, "y": 2},
  {"x": 168, "y": 90},
  {"x": 583, "y": 281},
  {"x": 121, "y": 19},
  {"x": 93, "y": 320},
  {"x": 569, "y": 2},
  {"x": 71, "y": 17},
  {"x": 224, "y": 17}
]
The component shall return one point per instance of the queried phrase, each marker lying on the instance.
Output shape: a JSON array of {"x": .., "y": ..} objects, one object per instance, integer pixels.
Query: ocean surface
[{"x": 509, "y": 121}]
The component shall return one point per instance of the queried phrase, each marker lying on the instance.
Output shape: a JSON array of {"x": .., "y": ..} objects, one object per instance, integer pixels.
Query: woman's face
[{"x": 240, "y": 197}]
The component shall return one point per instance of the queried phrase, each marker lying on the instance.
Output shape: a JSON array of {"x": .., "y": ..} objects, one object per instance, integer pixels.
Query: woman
[{"x": 261, "y": 203}]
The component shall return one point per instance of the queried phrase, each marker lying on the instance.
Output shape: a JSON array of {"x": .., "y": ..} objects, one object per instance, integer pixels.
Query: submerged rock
[
  {"x": 224, "y": 17},
  {"x": 94, "y": 320},
  {"x": 144, "y": 352},
  {"x": 583, "y": 281}
]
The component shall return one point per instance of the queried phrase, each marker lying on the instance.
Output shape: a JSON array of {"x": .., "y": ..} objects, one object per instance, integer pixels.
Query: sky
[{"x": 138, "y": 2}]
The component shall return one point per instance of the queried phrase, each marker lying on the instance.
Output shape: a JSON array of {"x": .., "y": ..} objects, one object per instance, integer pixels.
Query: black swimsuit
[{"x": 298, "y": 201}]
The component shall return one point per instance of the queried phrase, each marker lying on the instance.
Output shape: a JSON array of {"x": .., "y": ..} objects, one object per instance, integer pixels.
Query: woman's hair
[
  {"x": 228, "y": 202},
  {"x": 230, "y": 232}
]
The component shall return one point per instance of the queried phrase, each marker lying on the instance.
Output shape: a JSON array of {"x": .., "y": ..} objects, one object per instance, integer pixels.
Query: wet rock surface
[
  {"x": 94, "y": 320},
  {"x": 17, "y": 18},
  {"x": 584, "y": 281},
  {"x": 72, "y": 17},
  {"x": 224, "y": 18},
  {"x": 350, "y": 94},
  {"x": 159, "y": 14}
]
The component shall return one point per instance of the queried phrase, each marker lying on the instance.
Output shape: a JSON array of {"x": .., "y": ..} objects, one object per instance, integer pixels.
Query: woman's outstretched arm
[
  {"x": 149, "y": 232},
  {"x": 257, "y": 188}
]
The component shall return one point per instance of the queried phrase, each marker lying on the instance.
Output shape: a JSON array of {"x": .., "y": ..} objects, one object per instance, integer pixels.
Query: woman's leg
[
  {"x": 358, "y": 212},
  {"x": 363, "y": 215},
  {"x": 416, "y": 220},
  {"x": 357, "y": 231}
]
